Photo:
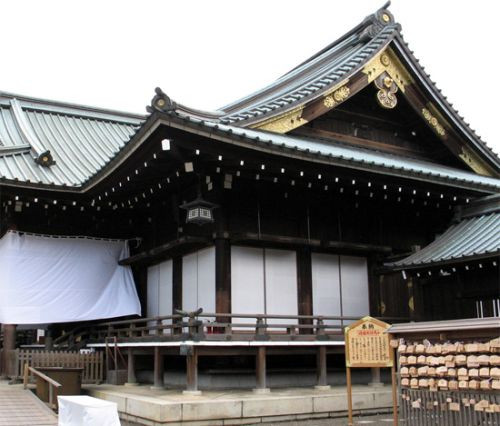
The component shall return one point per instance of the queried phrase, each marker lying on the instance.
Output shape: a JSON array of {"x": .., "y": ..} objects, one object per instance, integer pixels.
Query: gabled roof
[
  {"x": 297, "y": 97},
  {"x": 54, "y": 143},
  {"x": 475, "y": 236},
  {"x": 312, "y": 78}
]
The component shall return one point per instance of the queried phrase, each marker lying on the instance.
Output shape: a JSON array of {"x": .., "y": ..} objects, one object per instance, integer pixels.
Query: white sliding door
[
  {"x": 340, "y": 285},
  {"x": 165, "y": 289},
  {"x": 263, "y": 281},
  {"x": 326, "y": 285},
  {"x": 281, "y": 283},
  {"x": 198, "y": 281},
  {"x": 354, "y": 275},
  {"x": 247, "y": 282},
  {"x": 160, "y": 291}
]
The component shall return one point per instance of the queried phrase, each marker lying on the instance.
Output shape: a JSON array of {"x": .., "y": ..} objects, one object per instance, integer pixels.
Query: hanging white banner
[{"x": 45, "y": 279}]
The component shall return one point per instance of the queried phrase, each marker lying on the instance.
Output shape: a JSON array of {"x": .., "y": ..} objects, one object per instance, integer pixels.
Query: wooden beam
[{"x": 179, "y": 246}]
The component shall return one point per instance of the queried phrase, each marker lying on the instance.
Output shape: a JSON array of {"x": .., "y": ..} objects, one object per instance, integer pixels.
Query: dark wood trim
[
  {"x": 304, "y": 284},
  {"x": 179, "y": 246},
  {"x": 315, "y": 245},
  {"x": 176, "y": 284},
  {"x": 222, "y": 276}
]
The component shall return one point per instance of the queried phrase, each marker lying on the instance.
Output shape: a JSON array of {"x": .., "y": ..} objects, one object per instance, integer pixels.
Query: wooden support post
[
  {"x": 304, "y": 287},
  {"x": 222, "y": 278},
  {"x": 49, "y": 345},
  {"x": 177, "y": 290},
  {"x": 192, "y": 372},
  {"x": 158, "y": 369},
  {"x": 376, "y": 382},
  {"x": 9, "y": 345},
  {"x": 394, "y": 396},
  {"x": 349, "y": 396},
  {"x": 321, "y": 369},
  {"x": 261, "y": 371},
  {"x": 131, "y": 379}
]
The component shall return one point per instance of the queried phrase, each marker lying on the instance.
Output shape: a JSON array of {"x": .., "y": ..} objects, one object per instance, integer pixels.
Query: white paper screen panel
[
  {"x": 325, "y": 285},
  {"x": 247, "y": 281},
  {"x": 281, "y": 283},
  {"x": 354, "y": 276},
  {"x": 206, "y": 279},
  {"x": 198, "y": 281}
]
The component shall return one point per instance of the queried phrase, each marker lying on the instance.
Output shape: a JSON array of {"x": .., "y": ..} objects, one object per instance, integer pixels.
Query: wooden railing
[
  {"x": 53, "y": 385},
  {"x": 92, "y": 363},
  {"x": 224, "y": 327}
]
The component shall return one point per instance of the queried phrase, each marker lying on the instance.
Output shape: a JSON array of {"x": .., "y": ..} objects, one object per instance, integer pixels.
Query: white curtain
[{"x": 46, "y": 279}]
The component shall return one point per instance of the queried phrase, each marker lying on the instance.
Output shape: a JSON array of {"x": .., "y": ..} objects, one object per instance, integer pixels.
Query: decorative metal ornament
[
  {"x": 199, "y": 211},
  {"x": 161, "y": 102},
  {"x": 45, "y": 159},
  {"x": 386, "y": 95}
]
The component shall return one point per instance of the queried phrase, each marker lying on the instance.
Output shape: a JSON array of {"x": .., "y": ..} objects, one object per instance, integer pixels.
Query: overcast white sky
[{"x": 205, "y": 53}]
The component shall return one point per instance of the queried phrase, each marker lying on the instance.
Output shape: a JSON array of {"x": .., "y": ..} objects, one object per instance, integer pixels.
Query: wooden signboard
[{"x": 367, "y": 346}]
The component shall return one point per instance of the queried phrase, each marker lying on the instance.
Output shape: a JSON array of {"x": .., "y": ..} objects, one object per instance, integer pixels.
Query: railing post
[
  {"x": 158, "y": 323},
  {"x": 320, "y": 329},
  {"x": 131, "y": 332},
  {"x": 26, "y": 375},
  {"x": 260, "y": 327}
]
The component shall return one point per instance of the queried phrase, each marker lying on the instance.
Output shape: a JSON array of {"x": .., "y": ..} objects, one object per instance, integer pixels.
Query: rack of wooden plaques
[{"x": 448, "y": 378}]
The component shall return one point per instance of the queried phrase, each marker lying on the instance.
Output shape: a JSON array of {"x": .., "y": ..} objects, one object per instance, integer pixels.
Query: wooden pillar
[
  {"x": 192, "y": 372},
  {"x": 304, "y": 286},
  {"x": 131, "y": 379},
  {"x": 261, "y": 371},
  {"x": 177, "y": 288},
  {"x": 9, "y": 345},
  {"x": 222, "y": 277},
  {"x": 321, "y": 369},
  {"x": 158, "y": 369},
  {"x": 49, "y": 341}
]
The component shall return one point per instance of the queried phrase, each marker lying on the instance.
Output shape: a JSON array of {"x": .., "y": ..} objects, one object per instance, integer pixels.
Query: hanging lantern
[{"x": 199, "y": 211}]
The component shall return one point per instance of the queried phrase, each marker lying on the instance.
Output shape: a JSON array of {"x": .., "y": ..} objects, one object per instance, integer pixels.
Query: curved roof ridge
[{"x": 54, "y": 105}]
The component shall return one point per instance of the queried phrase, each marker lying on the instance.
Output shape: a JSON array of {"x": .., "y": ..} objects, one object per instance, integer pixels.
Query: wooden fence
[{"x": 92, "y": 363}]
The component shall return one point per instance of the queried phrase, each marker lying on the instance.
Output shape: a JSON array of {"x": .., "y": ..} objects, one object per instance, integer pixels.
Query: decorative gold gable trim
[
  {"x": 387, "y": 61},
  {"x": 284, "y": 122},
  {"x": 474, "y": 162}
]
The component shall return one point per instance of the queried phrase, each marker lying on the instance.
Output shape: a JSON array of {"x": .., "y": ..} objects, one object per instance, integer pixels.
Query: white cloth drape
[{"x": 46, "y": 280}]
